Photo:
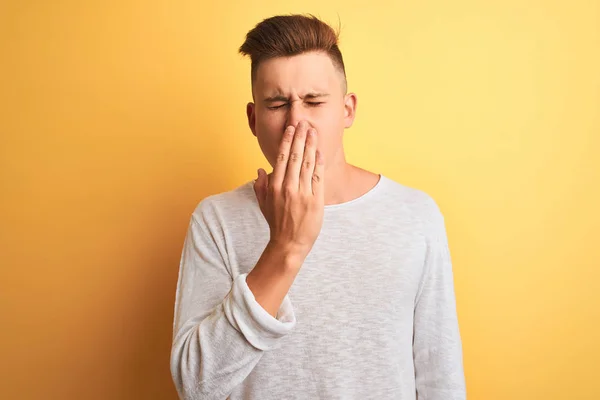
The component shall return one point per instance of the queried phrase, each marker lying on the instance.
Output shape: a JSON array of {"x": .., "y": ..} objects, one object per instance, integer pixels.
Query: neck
[
  {"x": 340, "y": 179},
  {"x": 338, "y": 188}
]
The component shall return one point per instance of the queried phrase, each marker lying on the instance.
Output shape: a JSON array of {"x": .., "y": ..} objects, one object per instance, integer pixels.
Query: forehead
[{"x": 300, "y": 73}]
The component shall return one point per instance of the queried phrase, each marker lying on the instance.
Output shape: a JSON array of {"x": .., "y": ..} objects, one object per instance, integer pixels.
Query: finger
[
  {"x": 260, "y": 187},
  {"x": 282, "y": 157},
  {"x": 292, "y": 176},
  {"x": 318, "y": 177},
  {"x": 308, "y": 164}
]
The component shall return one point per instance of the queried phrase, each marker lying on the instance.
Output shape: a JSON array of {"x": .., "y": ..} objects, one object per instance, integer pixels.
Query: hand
[{"x": 292, "y": 198}]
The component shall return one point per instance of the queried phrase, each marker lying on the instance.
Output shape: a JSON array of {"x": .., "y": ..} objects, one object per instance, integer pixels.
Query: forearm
[
  {"x": 273, "y": 275},
  {"x": 204, "y": 351},
  {"x": 210, "y": 356}
]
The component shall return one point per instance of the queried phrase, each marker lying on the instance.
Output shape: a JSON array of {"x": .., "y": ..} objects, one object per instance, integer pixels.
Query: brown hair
[{"x": 289, "y": 35}]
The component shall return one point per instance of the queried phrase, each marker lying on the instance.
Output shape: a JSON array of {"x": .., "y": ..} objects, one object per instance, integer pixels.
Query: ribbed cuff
[{"x": 260, "y": 328}]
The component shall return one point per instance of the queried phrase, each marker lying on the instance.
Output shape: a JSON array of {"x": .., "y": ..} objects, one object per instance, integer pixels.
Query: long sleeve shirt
[{"x": 370, "y": 315}]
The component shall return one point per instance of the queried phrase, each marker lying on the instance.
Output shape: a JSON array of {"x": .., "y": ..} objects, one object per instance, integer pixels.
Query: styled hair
[{"x": 290, "y": 35}]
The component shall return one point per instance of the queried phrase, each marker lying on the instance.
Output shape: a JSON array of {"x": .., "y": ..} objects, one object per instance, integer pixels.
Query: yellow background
[{"x": 118, "y": 117}]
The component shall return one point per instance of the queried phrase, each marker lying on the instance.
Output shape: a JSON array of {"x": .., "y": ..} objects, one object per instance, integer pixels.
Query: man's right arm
[
  {"x": 220, "y": 331},
  {"x": 273, "y": 275}
]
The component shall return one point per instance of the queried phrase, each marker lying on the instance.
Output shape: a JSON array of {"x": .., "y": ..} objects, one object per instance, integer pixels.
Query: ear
[
  {"x": 350, "y": 103},
  {"x": 250, "y": 107}
]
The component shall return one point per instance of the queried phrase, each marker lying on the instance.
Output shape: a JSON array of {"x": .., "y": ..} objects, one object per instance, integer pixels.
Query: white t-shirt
[{"x": 370, "y": 315}]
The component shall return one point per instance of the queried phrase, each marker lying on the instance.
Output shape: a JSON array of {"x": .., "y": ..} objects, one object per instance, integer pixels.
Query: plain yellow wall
[{"x": 118, "y": 117}]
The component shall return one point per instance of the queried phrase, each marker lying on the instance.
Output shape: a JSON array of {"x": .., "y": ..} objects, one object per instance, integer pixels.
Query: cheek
[
  {"x": 270, "y": 125},
  {"x": 331, "y": 131},
  {"x": 268, "y": 133},
  {"x": 269, "y": 149},
  {"x": 334, "y": 114},
  {"x": 329, "y": 123}
]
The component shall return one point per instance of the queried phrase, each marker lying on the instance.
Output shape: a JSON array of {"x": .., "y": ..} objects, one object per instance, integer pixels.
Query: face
[{"x": 305, "y": 87}]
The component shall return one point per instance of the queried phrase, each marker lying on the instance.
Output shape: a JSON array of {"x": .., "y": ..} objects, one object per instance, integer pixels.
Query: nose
[{"x": 295, "y": 114}]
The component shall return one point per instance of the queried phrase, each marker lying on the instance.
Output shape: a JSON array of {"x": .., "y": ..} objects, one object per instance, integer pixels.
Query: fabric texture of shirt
[{"x": 370, "y": 315}]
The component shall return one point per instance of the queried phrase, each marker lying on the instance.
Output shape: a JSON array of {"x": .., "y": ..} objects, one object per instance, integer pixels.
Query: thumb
[{"x": 260, "y": 186}]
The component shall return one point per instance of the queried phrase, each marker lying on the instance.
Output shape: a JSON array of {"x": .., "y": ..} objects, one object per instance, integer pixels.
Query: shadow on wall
[
  {"x": 133, "y": 356},
  {"x": 144, "y": 324}
]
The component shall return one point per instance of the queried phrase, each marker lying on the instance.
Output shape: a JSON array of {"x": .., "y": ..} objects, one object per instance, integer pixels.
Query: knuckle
[
  {"x": 281, "y": 157},
  {"x": 295, "y": 156},
  {"x": 289, "y": 190},
  {"x": 308, "y": 200},
  {"x": 316, "y": 178}
]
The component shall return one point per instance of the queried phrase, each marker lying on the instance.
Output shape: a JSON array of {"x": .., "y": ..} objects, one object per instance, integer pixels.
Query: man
[{"x": 320, "y": 280}]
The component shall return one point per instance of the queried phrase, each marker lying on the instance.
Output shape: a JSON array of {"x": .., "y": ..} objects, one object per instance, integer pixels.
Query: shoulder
[
  {"x": 420, "y": 204},
  {"x": 220, "y": 207}
]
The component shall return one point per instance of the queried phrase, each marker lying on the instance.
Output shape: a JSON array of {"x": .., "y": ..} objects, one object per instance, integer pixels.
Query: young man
[{"x": 320, "y": 280}]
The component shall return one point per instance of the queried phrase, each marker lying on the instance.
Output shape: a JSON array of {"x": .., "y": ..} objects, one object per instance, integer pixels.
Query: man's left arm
[{"x": 437, "y": 347}]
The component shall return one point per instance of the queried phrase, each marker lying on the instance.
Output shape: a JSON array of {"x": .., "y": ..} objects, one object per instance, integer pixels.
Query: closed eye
[
  {"x": 310, "y": 104},
  {"x": 277, "y": 107}
]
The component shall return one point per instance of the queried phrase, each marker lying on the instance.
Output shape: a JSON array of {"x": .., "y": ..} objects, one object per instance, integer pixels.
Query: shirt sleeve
[
  {"x": 219, "y": 330},
  {"x": 437, "y": 347}
]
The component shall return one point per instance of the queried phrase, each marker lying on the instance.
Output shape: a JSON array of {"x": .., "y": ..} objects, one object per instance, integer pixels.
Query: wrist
[{"x": 287, "y": 255}]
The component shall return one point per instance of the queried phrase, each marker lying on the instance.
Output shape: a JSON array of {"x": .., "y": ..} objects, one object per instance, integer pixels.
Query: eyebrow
[{"x": 280, "y": 97}]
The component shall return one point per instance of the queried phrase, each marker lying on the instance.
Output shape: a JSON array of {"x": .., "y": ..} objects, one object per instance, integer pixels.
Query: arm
[
  {"x": 437, "y": 348},
  {"x": 270, "y": 280},
  {"x": 219, "y": 331}
]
